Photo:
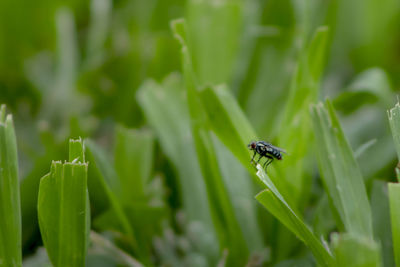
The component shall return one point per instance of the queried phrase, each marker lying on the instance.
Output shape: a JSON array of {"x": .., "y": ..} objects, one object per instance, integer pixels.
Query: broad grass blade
[
  {"x": 63, "y": 212},
  {"x": 340, "y": 172}
]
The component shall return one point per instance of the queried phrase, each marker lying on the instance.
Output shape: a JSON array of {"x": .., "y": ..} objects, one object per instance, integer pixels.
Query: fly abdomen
[{"x": 275, "y": 153}]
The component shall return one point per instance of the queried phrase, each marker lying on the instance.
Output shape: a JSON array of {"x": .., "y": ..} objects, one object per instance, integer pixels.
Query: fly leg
[
  {"x": 269, "y": 161},
  {"x": 259, "y": 159},
  {"x": 252, "y": 159}
]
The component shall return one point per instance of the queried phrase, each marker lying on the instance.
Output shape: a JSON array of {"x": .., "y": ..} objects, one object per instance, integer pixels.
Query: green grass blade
[
  {"x": 225, "y": 221},
  {"x": 63, "y": 213},
  {"x": 232, "y": 128},
  {"x": 340, "y": 172},
  {"x": 102, "y": 246},
  {"x": 100, "y": 18},
  {"x": 223, "y": 113},
  {"x": 394, "y": 201},
  {"x": 394, "y": 188},
  {"x": 105, "y": 189},
  {"x": 381, "y": 220},
  {"x": 394, "y": 121},
  {"x": 305, "y": 83},
  {"x": 264, "y": 89},
  {"x": 213, "y": 38},
  {"x": 103, "y": 168},
  {"x": 296, "y": 131},
  {"x": 165, "y": 109},
  {"x": 274, "y": 202},
  {"x": 10, "y": 210},
  {"x": 228, "y": 122},
  {"x": 133, "y": 157},
  {"x": 353, "y": 251},
  {"x": 240, "y": 187},
  {"x": 76, "y": 151},
  {"x": 371, "y": 86}
]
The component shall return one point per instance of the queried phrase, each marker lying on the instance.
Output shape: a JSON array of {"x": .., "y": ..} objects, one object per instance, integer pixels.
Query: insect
[{"x": 267, "y": 150}]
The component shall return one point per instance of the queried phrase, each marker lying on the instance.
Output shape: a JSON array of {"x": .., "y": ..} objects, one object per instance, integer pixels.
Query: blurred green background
[{"x": 98, "y": 69}]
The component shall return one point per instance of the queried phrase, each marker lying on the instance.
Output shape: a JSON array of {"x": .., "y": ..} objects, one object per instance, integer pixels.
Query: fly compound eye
[{"x": 252, "y": 145}]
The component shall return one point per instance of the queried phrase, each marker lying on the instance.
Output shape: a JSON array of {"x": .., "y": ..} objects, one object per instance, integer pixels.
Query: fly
[{"x": 266, "y": 150}]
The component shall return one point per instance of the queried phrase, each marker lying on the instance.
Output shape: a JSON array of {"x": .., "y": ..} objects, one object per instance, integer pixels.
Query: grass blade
[
  {"x": 213, "y": 36},
  {"x": 381, "y": 220},
  {"x": 102, "y": 246},
  {"x": 340, "y": 172},
  {"x": 166, "y": 112},
  {"x": 296, "y": 130},
  {"x": 394, "y": 201},
  {"x": 100, "y": 18},
  {"x": 63, "y": 211},
  {"x": 274, "y": 202},
  {"x": 10, "y": 210},
  {"x": 228, "y": 122},
  {"x": 76, "y": 151},
  {"x": 240, "y": 187},
  {"x": 394, "y": 121},
  {"x": 394, "y": 188},
  {"x": 103, "y": 183},
  {"x": 352, "y": 251},
  {"x": 225, "y": 221},
  {"x": 133, "y": 157}
]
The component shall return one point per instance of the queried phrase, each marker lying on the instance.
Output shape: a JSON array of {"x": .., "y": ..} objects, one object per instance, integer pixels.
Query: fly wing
[{"x": 278, "y": 148}]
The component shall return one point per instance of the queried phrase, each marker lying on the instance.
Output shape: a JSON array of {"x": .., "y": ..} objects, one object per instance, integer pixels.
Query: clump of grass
[{"x": 167, "y": 174}]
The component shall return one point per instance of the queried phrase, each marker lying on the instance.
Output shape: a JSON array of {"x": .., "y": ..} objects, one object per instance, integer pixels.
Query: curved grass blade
[
  {"x": 10, "y": 209},
  {"x": 274, "y": 202}
]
